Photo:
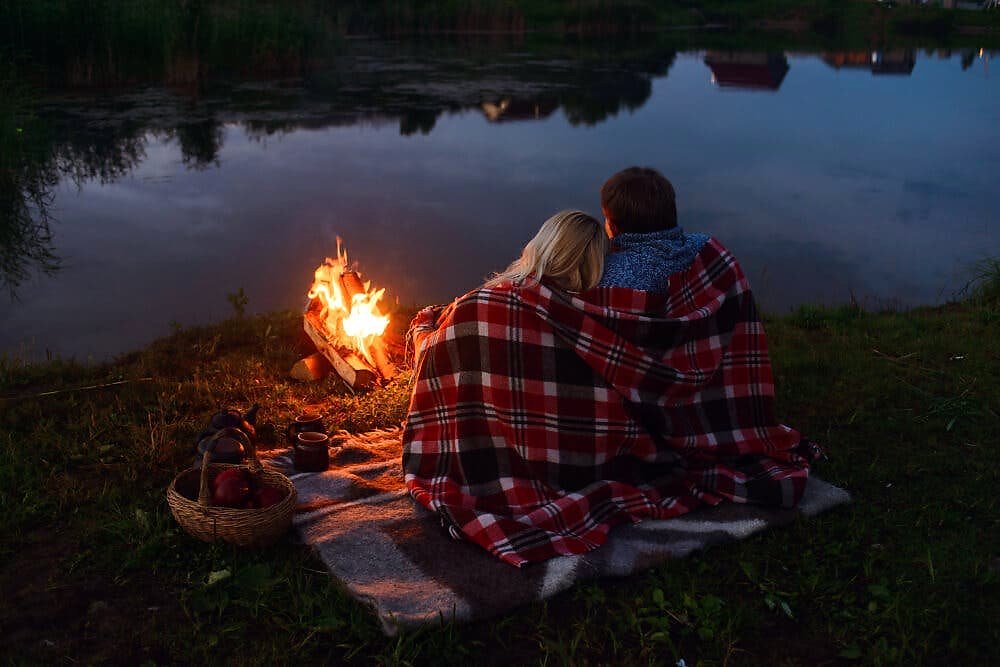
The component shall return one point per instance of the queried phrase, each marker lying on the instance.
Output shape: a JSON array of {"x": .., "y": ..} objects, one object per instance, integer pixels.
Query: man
[{"x": 640, "y": 217}]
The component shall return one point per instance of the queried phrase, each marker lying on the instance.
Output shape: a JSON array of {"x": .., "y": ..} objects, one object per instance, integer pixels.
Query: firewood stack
[{"x": 356, "y": 371}]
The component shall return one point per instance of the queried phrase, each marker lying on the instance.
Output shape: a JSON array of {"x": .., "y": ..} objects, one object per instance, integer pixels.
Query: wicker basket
[{"x": 190, "y": 502}]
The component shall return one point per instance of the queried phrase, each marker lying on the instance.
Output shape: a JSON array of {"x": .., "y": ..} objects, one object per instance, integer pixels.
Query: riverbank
[{"x": 93, "y": 567}]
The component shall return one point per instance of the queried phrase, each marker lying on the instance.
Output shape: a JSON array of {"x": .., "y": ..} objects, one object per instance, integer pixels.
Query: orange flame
[{"x": 355, "y": 319}]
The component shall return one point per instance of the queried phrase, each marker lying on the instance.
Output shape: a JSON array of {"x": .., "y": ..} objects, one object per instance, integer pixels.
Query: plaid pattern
[{"x": 541, "y": 419}]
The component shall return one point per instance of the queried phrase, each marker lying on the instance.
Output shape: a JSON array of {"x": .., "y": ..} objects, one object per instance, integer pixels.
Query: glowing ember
[{"x": 349, "y": 307}]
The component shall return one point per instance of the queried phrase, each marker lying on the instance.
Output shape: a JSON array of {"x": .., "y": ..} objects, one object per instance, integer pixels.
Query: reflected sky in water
[{"x": 839, "y": 182}]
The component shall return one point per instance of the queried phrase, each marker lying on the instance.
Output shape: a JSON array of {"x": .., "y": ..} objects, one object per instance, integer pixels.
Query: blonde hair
[{"x": 569, "y": 250}]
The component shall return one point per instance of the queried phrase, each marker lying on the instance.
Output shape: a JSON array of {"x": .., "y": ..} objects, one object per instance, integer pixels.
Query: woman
[{"x": 567, "y": 252}]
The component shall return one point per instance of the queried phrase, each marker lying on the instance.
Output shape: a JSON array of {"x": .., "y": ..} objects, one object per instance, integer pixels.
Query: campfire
[{"x": 343, "y": 319}]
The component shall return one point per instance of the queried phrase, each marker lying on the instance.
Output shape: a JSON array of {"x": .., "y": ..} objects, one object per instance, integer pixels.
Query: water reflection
[
  {"x": 82, "y": 133},
  {"x": 437, "y": 161},
  {"x": 200, "y": 142},
  {"x": 749, "y": 70},
  {"x": 27, "y": 177},
  {"x": 899, "y": 61},
  {"x": 99, "y": 136}
]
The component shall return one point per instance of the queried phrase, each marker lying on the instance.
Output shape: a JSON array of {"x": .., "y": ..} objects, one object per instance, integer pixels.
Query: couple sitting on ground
[{"x": 597, "y": 381}]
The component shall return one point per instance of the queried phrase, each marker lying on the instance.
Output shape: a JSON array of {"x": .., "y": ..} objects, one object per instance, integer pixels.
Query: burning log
[
  {"x": 364, "y": 377},
  {"x": 314, "y": 328},
  {"x": 344, "y": 322},
  {"x": 311, "y": 368},
  {"x": 352, "y": 286},
  {"x": 349, "y": 366}
]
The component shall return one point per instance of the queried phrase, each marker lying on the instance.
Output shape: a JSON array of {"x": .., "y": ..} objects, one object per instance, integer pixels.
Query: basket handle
[{"x": 204, "y": 496}]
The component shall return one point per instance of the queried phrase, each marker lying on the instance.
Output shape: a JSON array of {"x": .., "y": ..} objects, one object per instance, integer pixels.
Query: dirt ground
[{"x": 51, "y": 613}]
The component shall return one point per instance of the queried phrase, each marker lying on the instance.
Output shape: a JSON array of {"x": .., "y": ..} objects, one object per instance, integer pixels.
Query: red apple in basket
[
  {"x": 267, "y": 496},
  {"x": 238, "y": 473},
  {"x": 232, "y": 491}
]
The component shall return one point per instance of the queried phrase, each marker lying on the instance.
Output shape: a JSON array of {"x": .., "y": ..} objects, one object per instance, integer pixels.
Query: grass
[{"x": 93, "y": 567}]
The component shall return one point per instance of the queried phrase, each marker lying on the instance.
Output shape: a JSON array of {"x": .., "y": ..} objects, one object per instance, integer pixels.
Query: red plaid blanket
[{"x": 540, "y": 419}]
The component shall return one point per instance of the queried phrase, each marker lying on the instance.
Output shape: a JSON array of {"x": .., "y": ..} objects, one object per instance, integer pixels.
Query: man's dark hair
[{"x": 639, "y": 200}]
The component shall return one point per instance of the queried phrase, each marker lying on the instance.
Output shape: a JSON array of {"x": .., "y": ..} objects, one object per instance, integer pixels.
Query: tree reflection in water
[
  {"x": 27, "y": 178},
  {"x": 101, "y": 101},
  {"x": 200, "y": 142}
]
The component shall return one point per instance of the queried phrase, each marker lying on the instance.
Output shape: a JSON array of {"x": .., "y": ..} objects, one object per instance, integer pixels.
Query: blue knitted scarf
[{"x": 645, "y": 261}]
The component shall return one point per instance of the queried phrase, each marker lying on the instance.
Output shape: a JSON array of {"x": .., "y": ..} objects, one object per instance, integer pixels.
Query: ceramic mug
[
  {"x": 311, "y": 453},
  {"x": 309, "y": 422}
]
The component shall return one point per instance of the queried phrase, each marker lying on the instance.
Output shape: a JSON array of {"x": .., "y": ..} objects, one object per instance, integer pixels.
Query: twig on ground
[
  {"x": 901, "y": 361},
  {"x": 73, "y": 389},
  {"x": 892, "y": 358}
]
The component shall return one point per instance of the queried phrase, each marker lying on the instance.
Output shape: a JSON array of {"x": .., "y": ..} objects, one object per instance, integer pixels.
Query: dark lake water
[{"x": 863, "y": 173}]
